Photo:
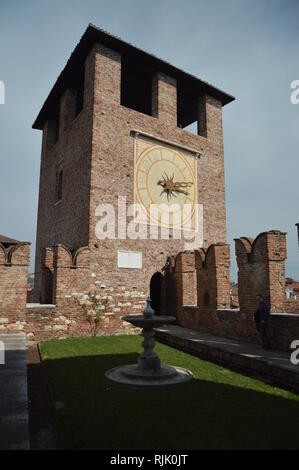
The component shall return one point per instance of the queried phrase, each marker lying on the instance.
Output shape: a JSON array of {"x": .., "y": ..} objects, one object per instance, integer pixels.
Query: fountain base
[
  {"x": 134, "y": 375},
  {"x": 149, "y": 371}
]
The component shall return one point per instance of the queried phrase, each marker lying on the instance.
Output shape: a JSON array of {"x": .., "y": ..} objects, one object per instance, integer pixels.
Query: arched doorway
[{"x": 156, "y": 286}]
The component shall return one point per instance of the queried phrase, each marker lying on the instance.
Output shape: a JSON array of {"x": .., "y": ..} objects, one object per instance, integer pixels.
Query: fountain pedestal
[
  {"x": 149, "y": 359},
  {"x": 148, "y": 371}
]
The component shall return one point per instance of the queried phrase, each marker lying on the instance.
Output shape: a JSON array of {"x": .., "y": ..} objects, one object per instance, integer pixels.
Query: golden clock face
[{"x": 165, "y": 185}]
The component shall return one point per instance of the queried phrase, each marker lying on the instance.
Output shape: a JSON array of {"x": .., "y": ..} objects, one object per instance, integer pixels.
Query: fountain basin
[
  {"x": 148, "y": 371},
  {"x": 134, "y": 375},
  {"x": 153, "y": 322}
]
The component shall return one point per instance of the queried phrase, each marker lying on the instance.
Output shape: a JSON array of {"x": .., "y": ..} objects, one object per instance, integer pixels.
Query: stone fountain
[{"x": 148, "y": 371}]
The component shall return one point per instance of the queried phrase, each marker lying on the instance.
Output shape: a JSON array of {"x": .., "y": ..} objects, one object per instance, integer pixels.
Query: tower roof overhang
[{"x": 93, "y": 35}]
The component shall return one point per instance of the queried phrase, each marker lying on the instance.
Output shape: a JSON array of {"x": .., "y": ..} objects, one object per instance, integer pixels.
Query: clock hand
[{"x": 183, "y": 184}]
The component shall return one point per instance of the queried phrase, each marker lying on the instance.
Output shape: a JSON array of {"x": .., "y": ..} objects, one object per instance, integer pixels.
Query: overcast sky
[{"x": 247, "y": 48}]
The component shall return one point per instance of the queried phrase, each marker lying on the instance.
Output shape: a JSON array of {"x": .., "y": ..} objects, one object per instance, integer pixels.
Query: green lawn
[{"x": 218, "y": 409}]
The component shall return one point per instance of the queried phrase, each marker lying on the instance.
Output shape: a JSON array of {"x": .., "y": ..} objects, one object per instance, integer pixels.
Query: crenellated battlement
[
  {"x": 195, "y": 287},
  {"x": 58, "y": 262},
  {"x": 15, "y": 255},
  {"x": 66, "y": 272},
  {"x": 198, "y": 288},
  {"x": 261, "y": 264},
  {"x": 197, "y": 282},
  {"x": 266, "y": 246},
  {"x": 65, "y": 258}
]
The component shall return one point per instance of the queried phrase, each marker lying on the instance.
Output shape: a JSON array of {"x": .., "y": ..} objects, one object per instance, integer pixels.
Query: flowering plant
[{"x": 92, "y": 305}]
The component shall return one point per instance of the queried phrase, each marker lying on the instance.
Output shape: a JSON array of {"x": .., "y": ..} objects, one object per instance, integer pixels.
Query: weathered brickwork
[
  {"x": 261, "y": 264},
  {"x": 112, "y": 169},
  {"x": 65, "y": 221},
  {"x": 112, "y": 148},
  {"x": 72, "y": 274},
  {"x": 87, "y": 159},
  {"x": 14, "y": 262},
  {"x": 201, "y": 286},
  {"x": 95, "y": 150},
  {"x": 203, "y": 277},
  {"x": 292, "y": 306},
  {"x": 196, "y": 291}
]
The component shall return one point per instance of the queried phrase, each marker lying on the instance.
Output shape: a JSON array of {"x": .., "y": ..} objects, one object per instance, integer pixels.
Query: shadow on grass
[
  {"x": 41, "y": 413},
  {"x": 94, "y": 413}
]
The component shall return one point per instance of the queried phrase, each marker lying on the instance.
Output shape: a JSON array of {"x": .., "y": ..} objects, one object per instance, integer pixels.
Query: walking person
[{"x": 261, "y": 318}]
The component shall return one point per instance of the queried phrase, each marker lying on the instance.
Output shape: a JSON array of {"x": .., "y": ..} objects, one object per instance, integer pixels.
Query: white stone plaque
[{"x": 129, "y": 259}]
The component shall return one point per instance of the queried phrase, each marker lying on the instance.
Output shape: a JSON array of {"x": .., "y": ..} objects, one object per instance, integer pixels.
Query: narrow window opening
[
  {"x": 59, "y": 183},
  {"x": 136, "y": 86},
  {"x": 187, "y": 109}
]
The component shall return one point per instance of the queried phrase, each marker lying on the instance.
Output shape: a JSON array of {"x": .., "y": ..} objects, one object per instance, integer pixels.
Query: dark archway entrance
[{"x": 156, "y": 286}]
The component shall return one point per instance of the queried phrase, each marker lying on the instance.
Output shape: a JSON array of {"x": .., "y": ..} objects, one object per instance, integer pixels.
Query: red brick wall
[
  {"x": 292, "y": 306},
  {"x": 67, "y": 221},
  {"x": 261, "y": 264},
  {"x": 14, "y": 263},
  {"x": 213, "y": 280},
  {"x": 97, "y": 149},
  {"x": 197, "y": 292},
  {"x": 72, "y": 274},
  {"x": 201, "y": 283},
  {"x": 96, "y": 152},
  {"x": 261, "y": 270},
  {"x": 112, "y": 171}
]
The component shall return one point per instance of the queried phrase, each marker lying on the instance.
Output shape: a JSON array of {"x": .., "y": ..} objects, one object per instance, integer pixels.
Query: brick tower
[{"x": 115, "y": 124}]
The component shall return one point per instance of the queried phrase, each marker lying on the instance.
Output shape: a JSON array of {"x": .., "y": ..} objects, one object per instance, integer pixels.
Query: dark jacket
[{"x": 262, "y": 313}]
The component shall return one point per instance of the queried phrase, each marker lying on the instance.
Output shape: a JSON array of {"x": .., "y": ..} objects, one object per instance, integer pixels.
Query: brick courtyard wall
[
  {"x": 72, "y": 274},
  {"x": 292, "y": 306},
  {"x": 261, "y": 265},
  {"x": 185, "y": 282},
  {"x": 261, "y": 270},
  {"x": 197, "y": 292},
  {"x": 284, "y": 328},
  {"x": 213, "y": 280},
  {"x": 14, "y": 262},
  {"x": 95, "y": 150},
  {"x": 200, "y": 280}
]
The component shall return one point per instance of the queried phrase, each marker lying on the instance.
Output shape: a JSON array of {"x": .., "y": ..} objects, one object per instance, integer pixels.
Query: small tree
[{"x": 93, "y": 305}]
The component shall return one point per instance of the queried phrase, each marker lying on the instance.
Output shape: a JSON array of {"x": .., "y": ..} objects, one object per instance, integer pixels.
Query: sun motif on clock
[{"x": 167, "y": 178}]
